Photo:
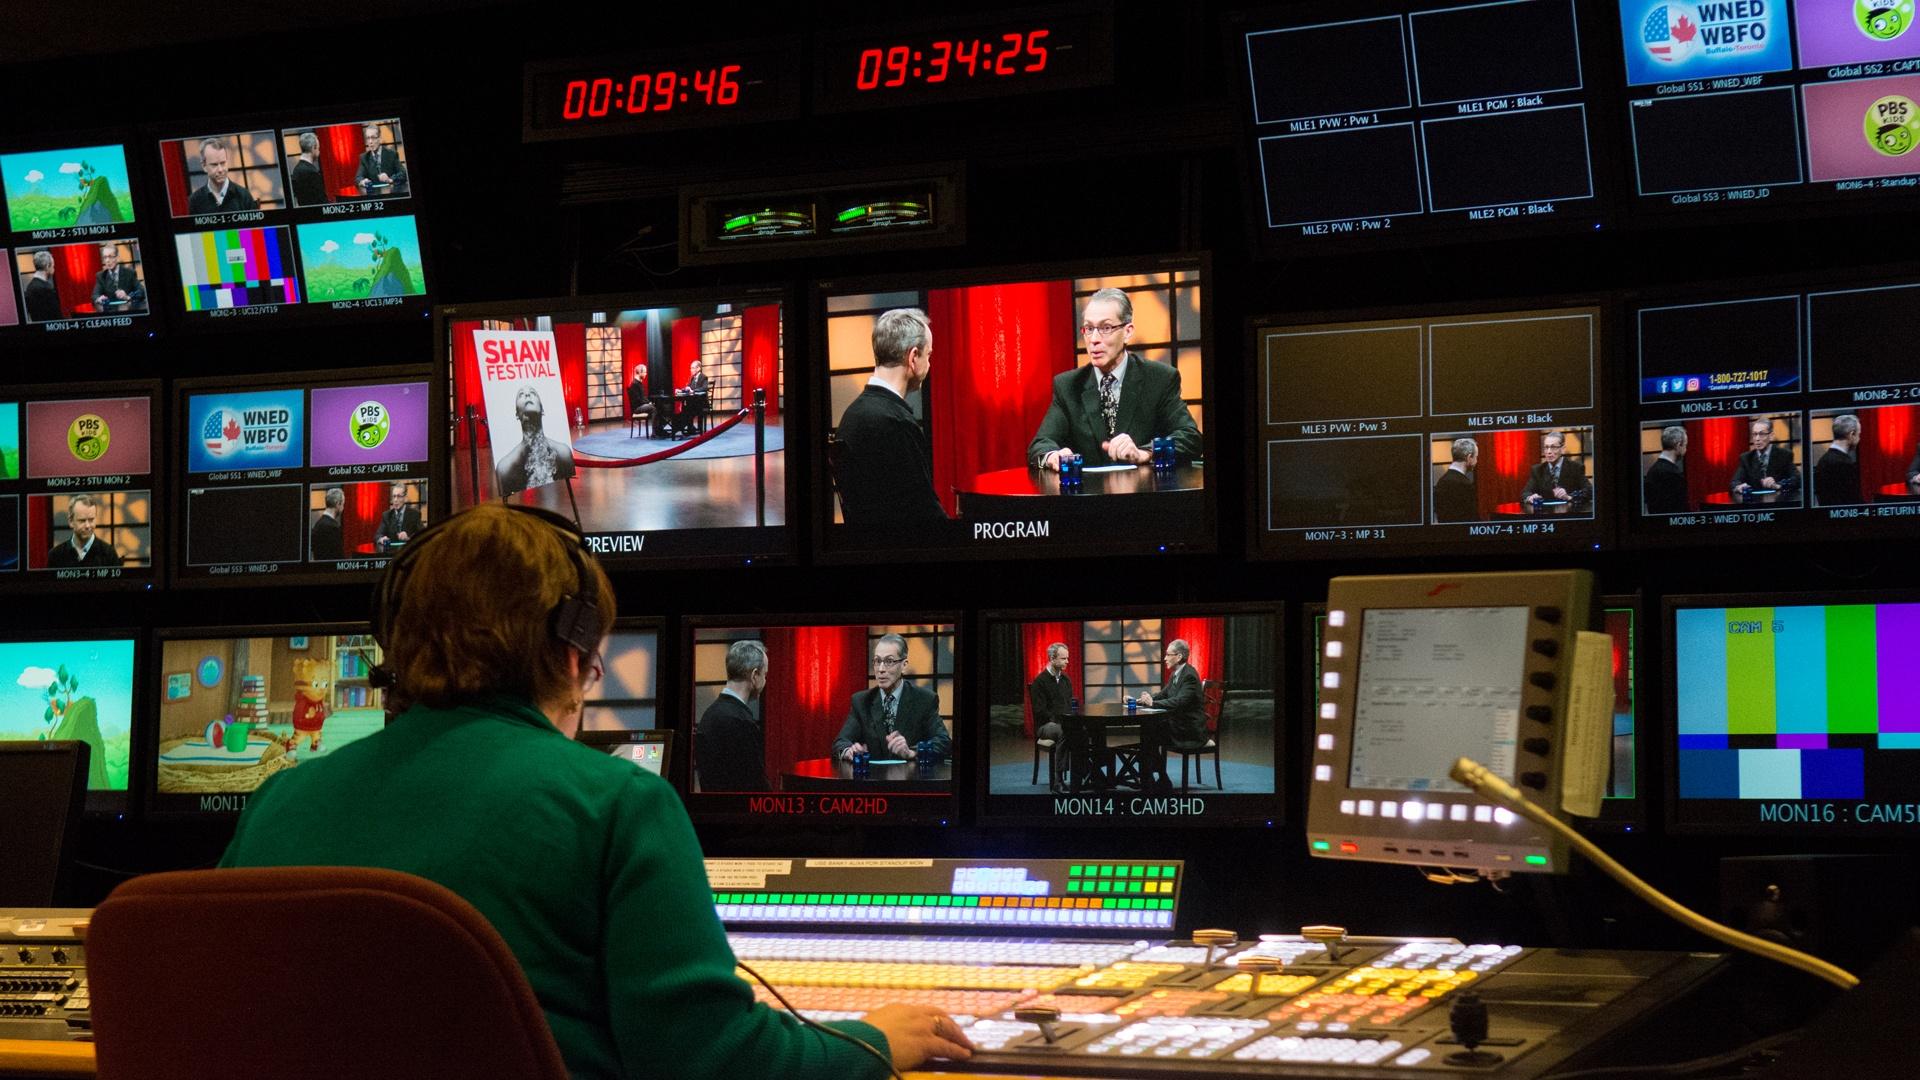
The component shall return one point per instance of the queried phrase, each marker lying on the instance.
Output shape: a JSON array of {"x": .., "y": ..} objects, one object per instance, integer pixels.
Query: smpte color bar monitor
[{"x": 1122, "y": 896}]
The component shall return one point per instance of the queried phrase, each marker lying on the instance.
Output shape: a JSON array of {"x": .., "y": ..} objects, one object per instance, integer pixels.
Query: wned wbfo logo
[
  {"x": 227, "y": 432},
  {"x": 1676, "y": 32}
]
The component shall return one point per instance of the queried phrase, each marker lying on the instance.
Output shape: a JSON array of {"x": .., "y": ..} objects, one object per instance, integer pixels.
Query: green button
[
  {"x": 1106, "y": 886},
  {"x": 973, "y": 901},
  {"x": 946, "y": 901},
  {"x": 1106, "y": 870},
  {"x": 1537, "y": 860},
  {"x": 1075, "y": 870},
  {"x": 1073, "y": 886},
  {"x": 1136, "y": 871},
  {"x": 1322, "y": 845},
  {"x": 1153, "y": 871},
  {"x": 1169, "y": 870}
]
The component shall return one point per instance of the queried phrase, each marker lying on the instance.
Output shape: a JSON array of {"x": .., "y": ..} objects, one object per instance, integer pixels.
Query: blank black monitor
[{"x": 43, "y": 786}]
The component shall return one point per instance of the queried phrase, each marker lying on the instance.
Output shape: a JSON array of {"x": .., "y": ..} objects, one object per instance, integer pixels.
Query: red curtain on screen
[
  {"x": 996, "y": 349},
  {"x": 340, "y": 147},
  {"x": 812, "y": 674},
  {"x": 39, "y": 533},
  {"x": 1713, "y": 453},
  {"x": 686, "y": 349},
  {"x": 1887, "y": 447},
  {"x": 466, "y": 382},
  {"x": 1034, "y": 639},
  {"x": 1206, "y": 638},
  {"x": 1506, "y": 457},
  {"x": 633, "y": 354},
  {"x": 74, "y": 268},
  {"x": 760, "y": 356},
  {"x": 360, "y": 520},
  {"x": 1620, "y": 626},
  {"x": 570, "y": 345},
  {"x": 173, "y": 161}
]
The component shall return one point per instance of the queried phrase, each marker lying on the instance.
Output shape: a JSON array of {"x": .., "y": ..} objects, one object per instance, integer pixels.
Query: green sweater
[{"x": 586, "y": 865}]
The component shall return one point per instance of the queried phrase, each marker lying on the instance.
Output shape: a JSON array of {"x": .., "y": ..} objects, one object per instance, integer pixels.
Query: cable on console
[
  {"x": 817, "y": 1025},
  {"x": 1492, "y": 788}
]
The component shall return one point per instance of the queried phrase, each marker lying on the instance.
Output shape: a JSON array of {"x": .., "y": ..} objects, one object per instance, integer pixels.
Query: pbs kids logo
[
  {"x": 369, "y": 423},
  {"x": 1893, "y": 125},
  {"x": 1883, "y": 20},
  {"x": 88, "y": 437}
]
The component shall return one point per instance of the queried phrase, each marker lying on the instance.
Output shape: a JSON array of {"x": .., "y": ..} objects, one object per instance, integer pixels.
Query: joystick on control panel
[
  {"x": 1467, "y": 1018},
  {"x": 1213, "y": 941},
  {"x": 1329, "y": 936},
  {"x": 1041, "y": 1016}
]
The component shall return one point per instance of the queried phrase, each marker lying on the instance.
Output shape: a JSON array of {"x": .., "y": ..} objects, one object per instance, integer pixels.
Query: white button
[
  {"x": 1503, "y": 815},
  {"x": 1333, "y": 649},
  {"x": 1413, "y": 811},
  {"x": 1483, "y": 814},
  {"x": 1366, "y": 807},
  {"x": 1331, "y": 680},
  {"x": 1389, "y": 809},
  {"x": 1323, "y": 772},
  {"x": 1328, "y": 710},
  {"x": 1346, "y": 806},
  {"x": 1326, "y": 741},
  {"x": 1336, "y": 618},
  {"x": 1458, "y": 811}
]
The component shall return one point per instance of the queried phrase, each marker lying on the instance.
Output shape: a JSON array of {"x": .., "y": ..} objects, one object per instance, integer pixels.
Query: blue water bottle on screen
[
  {"x": 1133, "y": 705},
  {"x": 1071, "y": 473},
  {"x": 862, "y": 762}
]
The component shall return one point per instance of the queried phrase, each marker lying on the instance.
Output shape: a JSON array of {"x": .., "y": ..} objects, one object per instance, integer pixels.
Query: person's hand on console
[
  {"x": 918, "y": 1032},
  {"x": 1052, "y": 461},
  {"x": 856, "y": 748},
  {"x": 897, "y": 746},
  {"x": 1121, "y": 448}
]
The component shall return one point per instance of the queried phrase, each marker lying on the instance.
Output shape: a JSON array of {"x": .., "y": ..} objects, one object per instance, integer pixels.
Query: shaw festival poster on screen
[{"x": 526, "y": 408}]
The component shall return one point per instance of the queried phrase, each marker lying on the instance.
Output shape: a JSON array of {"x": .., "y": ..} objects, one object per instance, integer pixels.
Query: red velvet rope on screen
[{"x": 627, "y": 463}]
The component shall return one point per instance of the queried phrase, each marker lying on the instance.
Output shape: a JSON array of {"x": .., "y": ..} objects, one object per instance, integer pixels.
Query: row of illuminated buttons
[
  {"x": 866, "y": 900},
  {"x": 1414, "y": 811},
  {"x": 1120, "y": 886},
  {"x": 1112, "y": 915},
  {"x": 811, "y": 999},
  {"x": 921, "y": 976},
  {"x": 1110, "y": 870},
  {"x": 892, "y": 947}
]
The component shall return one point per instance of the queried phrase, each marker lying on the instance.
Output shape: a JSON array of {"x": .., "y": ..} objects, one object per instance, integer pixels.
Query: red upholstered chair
[{"x": 307, "y": 972}]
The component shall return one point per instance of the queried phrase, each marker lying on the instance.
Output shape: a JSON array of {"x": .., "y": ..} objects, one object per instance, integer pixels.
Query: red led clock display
[
  {"x": 703, "y": 86},
  {"x": 650, "y": 91},
  {"x": 1015, "y": 53},
  {"x": 1067, "y": 46}
]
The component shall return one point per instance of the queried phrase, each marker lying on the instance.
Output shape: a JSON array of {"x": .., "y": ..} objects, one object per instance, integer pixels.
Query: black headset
[{"x": 574, "y": 621}]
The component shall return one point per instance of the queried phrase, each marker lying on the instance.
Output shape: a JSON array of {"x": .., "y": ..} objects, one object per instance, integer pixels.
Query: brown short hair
[{"x": 458, "y": 637}]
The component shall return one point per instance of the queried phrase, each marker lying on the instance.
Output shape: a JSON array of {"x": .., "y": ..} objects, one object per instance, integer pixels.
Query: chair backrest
[
  {"x": 1211, "y": 694},
  {"x": 307, "y": 971}
]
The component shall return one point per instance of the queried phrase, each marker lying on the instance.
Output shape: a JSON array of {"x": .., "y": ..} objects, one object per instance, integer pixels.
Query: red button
[{"x": 1348, "y": 847}]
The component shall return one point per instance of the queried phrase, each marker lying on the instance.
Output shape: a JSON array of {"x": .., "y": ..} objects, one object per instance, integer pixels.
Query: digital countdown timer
[
  {"x": 1021, "y": 53},
  {"x": 711, "y": 86}
]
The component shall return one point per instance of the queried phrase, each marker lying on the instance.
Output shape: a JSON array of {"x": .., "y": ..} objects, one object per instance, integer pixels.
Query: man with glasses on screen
[
  {"x": 895, "y": 716},
  {"x": 380, "y": 166},
  {"x": 117, "y": 287},
  {"x": 882, "y": 465},
  {"x": 1111, "y": 409},
  {"x": 1555, "y": 477},
  {"x": 220, "y": 195},
  {"x": 1765, "y": 467},
  {"x": 83, "y": 547}
]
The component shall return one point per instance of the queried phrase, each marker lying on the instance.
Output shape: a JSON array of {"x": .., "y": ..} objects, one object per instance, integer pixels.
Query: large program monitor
[
  {"x": 1388, "y": 121},
  {"x": 794, "y": 719},
  {"x": 75, "y": 263},
  {"x": 1459, "y": 432},
  {"x": 1102, "y": 366},
  {"x": 660, "y": 419},
  {"x": 301, "y": 477},
  {"x": 1794, "y": 715},
  {"x": 75, "y": 686},
  {"x": 1771, "y": 104},
  {"x": 79, "y": 486},
  {"x": 1200, "y": 743},
  {"x": 310, "y": 216},
  {"x": 238, "y": 704},
  {"x": 1421, "y": 670},
  {"x": 1771, "y": 412}
]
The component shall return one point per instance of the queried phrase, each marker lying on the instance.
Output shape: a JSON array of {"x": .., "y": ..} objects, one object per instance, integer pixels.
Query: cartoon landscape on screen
[
  {"x": 60, "y": 189},
  {"x": 72, "y": 690}
]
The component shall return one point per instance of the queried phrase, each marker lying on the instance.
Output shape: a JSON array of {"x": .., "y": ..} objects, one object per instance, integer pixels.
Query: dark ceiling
[{"x": 31, "y": 30}]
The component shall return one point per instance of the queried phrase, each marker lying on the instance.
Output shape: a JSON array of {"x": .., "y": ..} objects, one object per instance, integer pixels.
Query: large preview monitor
[
  {"x": 1479, "y": 431},
  {"x": 78, "y": 686},
  {"x": 238, "y": 704},
  {"x": 949, "y": 405},
  {"x": 301, "y": 477},
  {"x": 1794, "y": 715},
  {"x": 75, "y": 261},
  {"x": 79, "y": 486},
  {"x": 855, "y": 720},
  {"x": 313, "y": 216},
  {"x": 659, "y": 420},
  {"x": 1139, "y": 716}
]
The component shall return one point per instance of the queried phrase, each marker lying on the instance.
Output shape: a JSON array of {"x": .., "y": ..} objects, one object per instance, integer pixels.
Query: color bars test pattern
[
  {"x": 232, "y": 268},
  {"x": 1785, "y": 702},
  {"x": 1097, "y": 895}
]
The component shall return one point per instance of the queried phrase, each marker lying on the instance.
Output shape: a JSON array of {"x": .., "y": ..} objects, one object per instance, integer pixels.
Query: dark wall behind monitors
[
  {"x": 1773, "y": 412},
  {"x": 1376, "y": 123},
  {"x": 75, "y": 686},
  {"x": 781, "y": 745},
  {"x": 1478, "y": 431},
  {"x": 238, "y": 704},
  {"x": 79, "y": 486},
  {"x": 311, "y": 217},
  {"x": 75, "y": 261},
  {"x": 646, "y": 401},
  {"x": 1770, "y": 104},
  {"x": 968, "y": 463},
  {"x": 1057, "y": 742},
  {"x": 1794, "y": 715},
  {"x": 301, "y": 478}
]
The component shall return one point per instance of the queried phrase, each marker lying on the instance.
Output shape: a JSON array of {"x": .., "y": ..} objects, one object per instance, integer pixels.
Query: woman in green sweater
[{"x": 587, "y": 866}]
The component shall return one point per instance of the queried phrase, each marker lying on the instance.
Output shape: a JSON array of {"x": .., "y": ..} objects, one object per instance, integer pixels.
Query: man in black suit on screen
[
  {"x": 894, "y": 717},
  {"x": 882, "y": 463},
  {"x": 1766, "y": 467},
  {"x": 117, "y": 284},
  {"x": 1110, "y": 409},
  {"x": 1555, "y": 478},
  {"x": 1836, "y": 478},
  {"x": 1665, "y": 483},
  {"x": 1051, "y": 695},
  {"x": 1455, "y": 498},
  {"x": 400, "y": 523},
  {"x": 729, "y": 745},
  {"x": 220, "y": 195},
  {"x": 83, "y": 546},
  {"x": 1186, "y": 719},
  {"x": 380, "y": 166}
]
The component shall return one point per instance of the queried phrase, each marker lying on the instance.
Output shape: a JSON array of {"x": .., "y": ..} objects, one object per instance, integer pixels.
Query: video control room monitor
[
  {"x": 79, "y": 487},
  {"x": 78, "y": 686},
  {"x": 77, "y": 266}
]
